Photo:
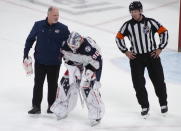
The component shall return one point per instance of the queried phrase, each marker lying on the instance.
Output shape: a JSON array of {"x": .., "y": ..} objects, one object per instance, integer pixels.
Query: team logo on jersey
[
  {"x": 146, "y": 29},
  {"x": 57, "y": 31},
  {"x": 87, "y": 48}
]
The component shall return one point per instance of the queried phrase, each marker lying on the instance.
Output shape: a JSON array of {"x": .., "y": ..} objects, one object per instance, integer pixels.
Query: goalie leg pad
[
  {"x": 94, "y": 103},
  {"x": 66, "y": 99}
]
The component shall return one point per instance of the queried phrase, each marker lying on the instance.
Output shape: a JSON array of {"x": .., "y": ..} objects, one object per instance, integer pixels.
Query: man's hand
[
  {"x": 156, "y": 53},
  {"x": 130, "y": 55}
]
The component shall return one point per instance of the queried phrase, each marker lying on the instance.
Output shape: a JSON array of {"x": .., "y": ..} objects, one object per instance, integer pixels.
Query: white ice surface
[{"x": 122, "y": 109}]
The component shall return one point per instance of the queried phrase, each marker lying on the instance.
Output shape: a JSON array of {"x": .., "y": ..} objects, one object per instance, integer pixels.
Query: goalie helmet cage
[{"x": 179, "y": 37}]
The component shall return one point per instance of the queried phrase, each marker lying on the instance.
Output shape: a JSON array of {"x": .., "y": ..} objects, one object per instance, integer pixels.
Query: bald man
[{"x": 49, "y": 35}]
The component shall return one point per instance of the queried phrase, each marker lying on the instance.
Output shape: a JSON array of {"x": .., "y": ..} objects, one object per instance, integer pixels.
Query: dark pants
[
  {"x": 156, "y": 75},
  {"x": 52, "y": 73}
]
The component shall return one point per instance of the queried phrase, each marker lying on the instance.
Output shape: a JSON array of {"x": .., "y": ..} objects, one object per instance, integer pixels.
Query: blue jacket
[{"x": 49, "y": 39}]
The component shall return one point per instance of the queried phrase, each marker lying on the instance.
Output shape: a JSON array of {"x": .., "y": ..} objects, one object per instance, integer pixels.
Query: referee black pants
[
  {"x": 52, "y": 73},
  {"x": 156, "y": 75}
]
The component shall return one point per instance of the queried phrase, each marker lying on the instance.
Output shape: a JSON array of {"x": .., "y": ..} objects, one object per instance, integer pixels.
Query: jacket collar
[
  {"x": 47, "y": 24},
  {"x": 136, "y": 22}
]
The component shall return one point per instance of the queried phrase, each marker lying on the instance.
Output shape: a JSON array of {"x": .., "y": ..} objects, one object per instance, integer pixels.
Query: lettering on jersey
[
  {"x": 87, "y": 48},
  {"x": 95, "y": 55}
]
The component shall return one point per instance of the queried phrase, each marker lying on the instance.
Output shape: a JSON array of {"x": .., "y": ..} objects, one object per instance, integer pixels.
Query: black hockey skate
[
  {"x": 145, "y": 112},
  {"x": 164, "y": 110}
]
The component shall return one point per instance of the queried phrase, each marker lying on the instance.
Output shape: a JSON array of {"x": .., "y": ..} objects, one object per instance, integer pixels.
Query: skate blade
[
  {"x": 146, "y": 116},
  {"x": 164, "y": 114}
]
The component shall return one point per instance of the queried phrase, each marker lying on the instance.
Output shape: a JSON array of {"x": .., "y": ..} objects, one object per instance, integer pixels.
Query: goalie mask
[{"x": 74, "y": 41}]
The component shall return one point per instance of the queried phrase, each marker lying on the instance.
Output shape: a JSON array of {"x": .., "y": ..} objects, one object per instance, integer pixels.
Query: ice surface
[{"x": 122, "y": 109}]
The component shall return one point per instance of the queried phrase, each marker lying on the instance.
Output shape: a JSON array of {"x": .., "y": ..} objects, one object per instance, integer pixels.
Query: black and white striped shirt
[{"x": 141, "y": 35}]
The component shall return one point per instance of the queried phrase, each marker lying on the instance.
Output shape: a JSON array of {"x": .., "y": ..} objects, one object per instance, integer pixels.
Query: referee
[{"x": 144, "y": 53}]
